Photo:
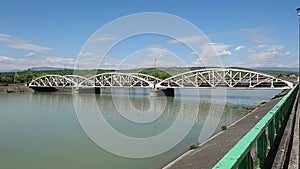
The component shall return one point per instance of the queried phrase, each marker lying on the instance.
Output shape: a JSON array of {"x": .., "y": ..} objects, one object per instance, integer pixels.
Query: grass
[
  {"x": 224, "y": 128},
  {"x": 192, "y": 147},
  {"x": 264, "y": 102}
]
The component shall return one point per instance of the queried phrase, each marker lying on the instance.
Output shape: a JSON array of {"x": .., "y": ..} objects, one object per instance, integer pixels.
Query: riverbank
[
  {"x": 210, "y": 152},
  {"x": 15, "y": 88}
]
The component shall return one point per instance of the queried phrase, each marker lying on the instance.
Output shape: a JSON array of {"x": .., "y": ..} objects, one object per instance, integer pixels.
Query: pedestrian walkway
[{"x": 211, "y": 151}]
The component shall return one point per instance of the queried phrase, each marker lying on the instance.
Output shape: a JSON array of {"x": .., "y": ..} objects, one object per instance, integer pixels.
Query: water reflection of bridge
[{"x": 203, "y": 78}]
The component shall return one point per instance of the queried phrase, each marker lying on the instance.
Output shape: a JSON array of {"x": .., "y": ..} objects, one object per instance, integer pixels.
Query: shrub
[
  {"x": 193, "y": 147},
  {"x": 224, "y": 128}
]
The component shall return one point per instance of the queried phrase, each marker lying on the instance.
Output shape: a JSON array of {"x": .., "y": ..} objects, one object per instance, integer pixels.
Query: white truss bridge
[{"x": 202, "y": 78}]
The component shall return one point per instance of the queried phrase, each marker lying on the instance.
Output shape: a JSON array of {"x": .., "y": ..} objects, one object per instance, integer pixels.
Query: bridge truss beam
[
  {"x": 117, "y": 79},
  {"x": 52, "y": 81},
  {"x": 221, "y": 77}
]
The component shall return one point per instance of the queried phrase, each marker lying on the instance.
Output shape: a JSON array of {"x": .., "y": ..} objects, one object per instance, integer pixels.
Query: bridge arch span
[
  {"x": 118, "y": 79},
  {"x": 52, "y": 81},
  {"x": 76, "y": 78},
  {"x": 223, "y": 77},
  {"x": 147, "y": 77}
]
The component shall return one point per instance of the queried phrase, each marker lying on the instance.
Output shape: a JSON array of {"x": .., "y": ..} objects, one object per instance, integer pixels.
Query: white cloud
[
  {"x": 189, "y": 39},
  {"x": 209, "y": 54},
  {"x": 149, "y": 57},
  {"x": 267, "y": 56},
  {"x": 213, "y": 49},
  {"x": 31, "y": 54},
  {"x": 9, "y": 63},
  {"x": 27, "y": 46},
  {"x": 163, "y": 57},
  {"x": 6, "y": 59},
  {"x": 157, "y": 52},
  {"x": 222, "y": 49},
  {"x": 261, "y": 46},
  {"x": 6, "y": 38},
  {"x": 88, "y": 60},
  {"x": 91, "y": 60},
  {"x": 225, "y": 53},
  {"x": 264, "y": 52},
  {"x": 18, "y": 43},
  {"x": 60, "y": 61},
  {"x": 88, "y": 55},
  {"x": 238, "y": 48}
]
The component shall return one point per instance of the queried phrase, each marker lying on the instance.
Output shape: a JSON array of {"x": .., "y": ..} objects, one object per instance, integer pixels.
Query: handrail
[{"x": 263, "y": 134}]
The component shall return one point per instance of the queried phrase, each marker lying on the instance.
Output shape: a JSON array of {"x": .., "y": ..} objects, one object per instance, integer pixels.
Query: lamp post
[
  {"x": 298, "y": 12},
  {"x": 154, "y": 72}
]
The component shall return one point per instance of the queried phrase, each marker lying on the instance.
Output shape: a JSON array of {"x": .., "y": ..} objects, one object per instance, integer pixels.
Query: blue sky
[{"x": 252, "y": 33}]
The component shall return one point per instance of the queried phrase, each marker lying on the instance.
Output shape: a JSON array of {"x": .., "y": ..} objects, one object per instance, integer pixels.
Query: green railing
[{"x": 263, "y": 134}]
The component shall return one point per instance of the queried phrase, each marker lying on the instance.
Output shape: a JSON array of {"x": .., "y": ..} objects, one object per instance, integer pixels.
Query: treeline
[{"x": 27, "y": 75}]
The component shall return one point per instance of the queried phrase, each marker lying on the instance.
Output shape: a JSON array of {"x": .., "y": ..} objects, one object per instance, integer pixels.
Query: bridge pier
[{"x": 169, "y": 92}]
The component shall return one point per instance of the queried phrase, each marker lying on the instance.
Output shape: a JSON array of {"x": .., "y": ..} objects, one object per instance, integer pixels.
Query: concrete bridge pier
[{"x": 169, "y": 92}]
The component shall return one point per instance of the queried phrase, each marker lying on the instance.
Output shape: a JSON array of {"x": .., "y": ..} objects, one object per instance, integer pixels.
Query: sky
[{"x": 250, "y": 33}]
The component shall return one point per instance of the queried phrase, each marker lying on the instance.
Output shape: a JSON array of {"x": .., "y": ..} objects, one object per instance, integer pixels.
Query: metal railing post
[
  {"x": 271, "y": 134},
  {"x": 261, "y": 150}
]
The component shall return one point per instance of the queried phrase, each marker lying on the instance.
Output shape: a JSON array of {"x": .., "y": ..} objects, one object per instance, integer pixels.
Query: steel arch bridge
[
  {"x": 76, "y": 78},
  {"x": 223, "y": 77},
  {"x": 53, "y": 81},
  {"x": 117, "y": 79},
  {"x": 203, "y": 78},
  {"x": 147, "y": 77}
]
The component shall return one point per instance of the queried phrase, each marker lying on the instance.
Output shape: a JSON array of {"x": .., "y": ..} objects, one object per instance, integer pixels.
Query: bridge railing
[{"x": 262, "y": 135}]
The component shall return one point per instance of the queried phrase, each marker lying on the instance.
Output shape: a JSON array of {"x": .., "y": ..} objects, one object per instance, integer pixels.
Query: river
[{"x": 42, "y": 130}]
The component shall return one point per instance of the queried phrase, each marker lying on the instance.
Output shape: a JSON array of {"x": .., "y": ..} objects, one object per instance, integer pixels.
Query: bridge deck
[{"x": 211, "y": 151}]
